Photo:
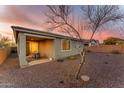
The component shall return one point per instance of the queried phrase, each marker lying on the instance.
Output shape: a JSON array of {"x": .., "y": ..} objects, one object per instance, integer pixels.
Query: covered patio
[
  {"x": 38, "y": 50},
  {"x": 35, "y": 49}
]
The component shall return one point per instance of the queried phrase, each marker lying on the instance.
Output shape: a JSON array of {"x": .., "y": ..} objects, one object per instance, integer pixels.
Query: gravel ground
[{"x": 104, "y": 70}]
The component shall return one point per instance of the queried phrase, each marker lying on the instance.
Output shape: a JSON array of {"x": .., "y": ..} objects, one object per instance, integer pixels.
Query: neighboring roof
[{"x": 33, "y": 31}]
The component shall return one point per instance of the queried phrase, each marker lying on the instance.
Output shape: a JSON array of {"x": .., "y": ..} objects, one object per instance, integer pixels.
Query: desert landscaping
[
  {"x": 104, "y": 70},
  {"x": 62, "y": 46}
]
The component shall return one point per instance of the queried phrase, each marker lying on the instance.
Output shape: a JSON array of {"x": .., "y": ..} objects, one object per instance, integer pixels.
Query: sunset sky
[{"x": 32, "y": 16}]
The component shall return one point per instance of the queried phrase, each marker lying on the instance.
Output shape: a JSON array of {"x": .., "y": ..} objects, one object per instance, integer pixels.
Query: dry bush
[
  {"x": 72, "y": 57},
  {"x": 115, "y": 52}
]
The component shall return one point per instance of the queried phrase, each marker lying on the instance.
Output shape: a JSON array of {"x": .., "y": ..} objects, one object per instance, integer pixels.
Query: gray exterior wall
[
  {"x": 74, "y": 49},
  {"x": 20, "y": 34},
  {"x": 22, "y": 50},
  {"x": 58, "y": 53}
]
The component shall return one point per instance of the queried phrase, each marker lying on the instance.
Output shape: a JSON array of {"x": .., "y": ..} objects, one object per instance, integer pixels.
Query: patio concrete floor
[{"x": 104, "y": 70}]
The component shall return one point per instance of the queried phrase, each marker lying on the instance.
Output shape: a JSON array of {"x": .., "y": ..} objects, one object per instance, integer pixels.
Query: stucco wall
[
  {"x": 4, "y": 52},
  {"x": 107, "y": 48},
  {"x": 46, "y": 48},
  {"x": 59, "y": 53},
  {"x": 33, "y": 47}
]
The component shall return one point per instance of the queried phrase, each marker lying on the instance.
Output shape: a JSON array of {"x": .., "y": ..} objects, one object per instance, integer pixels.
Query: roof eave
[{"x": 33, "y": 31}]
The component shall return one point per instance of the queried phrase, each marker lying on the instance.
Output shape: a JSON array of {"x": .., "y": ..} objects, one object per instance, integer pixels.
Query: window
[{"x": 65, "y": 44}]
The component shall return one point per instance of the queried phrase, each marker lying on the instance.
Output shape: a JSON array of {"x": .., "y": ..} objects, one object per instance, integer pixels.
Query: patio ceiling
[{"x": 35, "y": 38}]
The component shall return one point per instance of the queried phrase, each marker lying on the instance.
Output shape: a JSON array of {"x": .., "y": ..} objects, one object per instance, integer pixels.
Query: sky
[{"x": 32, "y": 16}]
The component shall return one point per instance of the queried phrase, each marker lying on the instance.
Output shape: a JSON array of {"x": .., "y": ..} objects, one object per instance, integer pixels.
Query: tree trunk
[
  {"x": 83, "y": 53},
  {"x": 81, "y": 63}
]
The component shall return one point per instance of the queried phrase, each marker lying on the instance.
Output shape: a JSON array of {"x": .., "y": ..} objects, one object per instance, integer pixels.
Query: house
[
  {"x": 34, "y": 45},
  {"x": 92, "y": 42}
]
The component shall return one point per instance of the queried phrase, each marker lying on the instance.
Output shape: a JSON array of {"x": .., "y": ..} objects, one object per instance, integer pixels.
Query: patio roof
[{"x": 39, "y": 32}]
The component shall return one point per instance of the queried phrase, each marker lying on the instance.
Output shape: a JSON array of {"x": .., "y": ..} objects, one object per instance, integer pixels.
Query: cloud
[
  {"x": 11, "y": 15},
  {"x": 32, "y": 17},
  {"x": 14, "y": 14}
]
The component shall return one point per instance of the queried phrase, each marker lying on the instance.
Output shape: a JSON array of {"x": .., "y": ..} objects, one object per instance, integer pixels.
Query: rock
[
  {"x": 61, "y": 82},
  {"x": 106, "y": 62},
  {"x": 85, "y": 78}
]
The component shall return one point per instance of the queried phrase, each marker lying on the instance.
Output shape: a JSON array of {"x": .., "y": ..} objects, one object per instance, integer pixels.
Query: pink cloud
[{"x": 15, "y": 16}]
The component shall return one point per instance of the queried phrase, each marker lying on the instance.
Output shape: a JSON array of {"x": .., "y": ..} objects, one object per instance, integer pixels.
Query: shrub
[
  {"x": 60, "y": 60},
  {"x": 88, "y": 51},
  {"x": 72, "y": 57},
  {"x": 115, "y": 52},
  {"x": 105, "y": 62},
  {"x": 5, "y": 42}
]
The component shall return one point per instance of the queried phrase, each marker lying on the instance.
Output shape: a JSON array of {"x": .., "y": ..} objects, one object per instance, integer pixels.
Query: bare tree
[
  {"x": 4, "y": 41},
  {"x": 60, "y": 17},
  {"x": 97, "y": 16}
]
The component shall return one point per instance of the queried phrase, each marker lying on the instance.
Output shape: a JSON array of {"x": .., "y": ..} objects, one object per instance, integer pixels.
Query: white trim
[{"x": 62, "y": 46}]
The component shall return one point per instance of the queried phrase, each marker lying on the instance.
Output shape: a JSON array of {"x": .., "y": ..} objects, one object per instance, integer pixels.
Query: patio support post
[
  {"x": 56, "y": 48},
  {"x": 22, "y": 50}
]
